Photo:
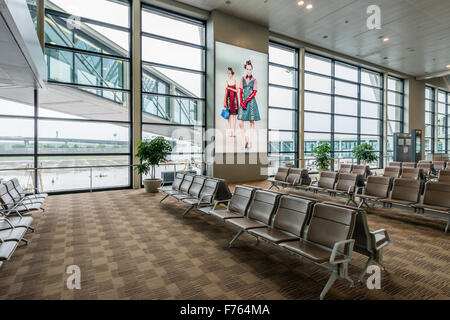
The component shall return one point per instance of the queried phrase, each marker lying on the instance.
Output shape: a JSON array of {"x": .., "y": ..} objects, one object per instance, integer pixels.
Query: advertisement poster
[{"x": 241, "y": 100}]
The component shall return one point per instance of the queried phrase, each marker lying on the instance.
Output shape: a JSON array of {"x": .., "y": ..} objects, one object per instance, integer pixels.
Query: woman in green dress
[{"x": 248, "y": 111}]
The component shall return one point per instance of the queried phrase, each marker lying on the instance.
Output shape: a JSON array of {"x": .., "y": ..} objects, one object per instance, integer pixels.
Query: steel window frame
[{"x": 294, "y": 110}]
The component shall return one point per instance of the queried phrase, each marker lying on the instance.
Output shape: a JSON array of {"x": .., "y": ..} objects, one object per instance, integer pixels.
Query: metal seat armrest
[
  {"x": 204, "y": 197},
  {"x": 220, "y": 202},
  {"x": 7, "y": 221},
  {"x": 351, "y": 189},
  {"x": 386, "y": 234},
  {"x": 348, "y": 254},
  {"x": 360, "y": 188},
  {"x": 314, "y": 183}
]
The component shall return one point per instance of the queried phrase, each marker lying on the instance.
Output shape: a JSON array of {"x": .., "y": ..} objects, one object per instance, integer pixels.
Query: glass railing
[{"x": 85, "y": 178}]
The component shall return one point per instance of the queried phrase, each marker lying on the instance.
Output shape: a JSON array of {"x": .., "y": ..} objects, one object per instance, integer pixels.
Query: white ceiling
[
  {"x": 21, "y": 59},
  {"x": 419, "y": 30},
  {"x": 14, "y": 69}
]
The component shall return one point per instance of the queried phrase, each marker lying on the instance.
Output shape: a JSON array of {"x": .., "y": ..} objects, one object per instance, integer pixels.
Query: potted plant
[
  {"x": 322, "y": 155},
  {"x": 152, "y": 153},
  {"x": 364, "y": 153}
]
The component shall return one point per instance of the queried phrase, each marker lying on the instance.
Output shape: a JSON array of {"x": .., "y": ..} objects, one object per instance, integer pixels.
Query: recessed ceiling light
[
  {"x": 448, "y": 66},
  {"x": 309, "y": 6},
  {"x": 386, "y": 39},
  {"x": 301, "y": 3}
]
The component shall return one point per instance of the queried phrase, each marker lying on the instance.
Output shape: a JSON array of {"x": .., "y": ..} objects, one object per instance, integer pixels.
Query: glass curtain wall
[
  {"x": 173, "y": 84},
  {"x": 283, "y": 106},
  {"x": 343, "y": 106},
  {"x": 83, "y": 116},
  {"x": 395, "y": 112},
  {"x": 448, "y": 123},
  {"x": 17, "y": 139},
  {"x": 429, "y": 120},
  {"x": 442, "y": 122}
]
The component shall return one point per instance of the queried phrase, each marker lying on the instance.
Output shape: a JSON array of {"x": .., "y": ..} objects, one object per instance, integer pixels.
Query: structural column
[
  {"x": 385, "y": 119},
  {"x": 136, "y": 86},
  {"x": 40, "y": 22},
  {"x": 301, "y": 108}
]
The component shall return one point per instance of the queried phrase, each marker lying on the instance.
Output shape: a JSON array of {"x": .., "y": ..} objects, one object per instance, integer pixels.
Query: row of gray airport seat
[
  {"x": 197, "y": 191},
  {"x": 385, "y": 189},
  {"x": 429, "y": 167},
  {"x": 323, "y": 233},
  {"x": 431, "y": 197},
  {"x": 16, "y": 207},
  {"x": 298, "y": 177}
]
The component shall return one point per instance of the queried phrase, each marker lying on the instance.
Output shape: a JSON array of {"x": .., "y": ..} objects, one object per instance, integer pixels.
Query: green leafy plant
[
  {"x": 364, "y": 152},
  {"x": 322, "y": 155},
  {"x": 152, "y": 153}
]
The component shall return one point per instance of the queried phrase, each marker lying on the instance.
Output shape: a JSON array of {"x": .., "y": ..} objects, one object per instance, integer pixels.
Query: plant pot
[{"x": 152, "y": 185}]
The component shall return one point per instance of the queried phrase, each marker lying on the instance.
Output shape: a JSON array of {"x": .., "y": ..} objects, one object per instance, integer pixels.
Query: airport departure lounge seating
[
  {"x": 7, "y": 248},
  {"x": 346, "y": 185},
  {"x": 392, "y": 172},
  {"x": 363, "y": 170},
  {"x": 377, "y": 188},
  {"x": 14, "y": 224},
  {"x": 412, "y": 173},
  {"x": 408, "y": 164},
  {"x": 368, "y": 243},
  {"x": 439, "y": 165},
  {"x": 280, "y": 177},
  {"x": 289, "y": 221},
  {"x": 297, "y": 177},
  {"x": 436, "y": 200},
  {"x": 444, "y": 176},
  {"x": 320, "y": 232},
  {"x": 194, "y": 189},
  {"x": 327, "y": 180},
  {"x": 25, "y": 195},
  {"x": 184, "y": 186},
  {"x": 206, "y": 196},
  {"x": 175, "y": 187},
  {"x": 346, "y": 168},
  {"x": 427, "y": 167},
  {"x": 290, "y": 177},
  {"x": 405, "y": 192},
  {"x": 11, "y": 207},
  {"x": 328, "y": 241},
  {"x": 259, "y": 213},
  {"x": 236, "y": 206},
  {"x": 395, "y": 164},
  {"x": 32, "y": 203}
]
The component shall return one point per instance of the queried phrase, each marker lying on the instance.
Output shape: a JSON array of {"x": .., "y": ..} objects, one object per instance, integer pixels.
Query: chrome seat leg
[
  {"x": 363, "y": 272},
  {"x": 163, "y": 198},
  {"x": 187, "y": 210},
  {"x": 235, "y": 238},
  {"x": 330, "y": 282}
]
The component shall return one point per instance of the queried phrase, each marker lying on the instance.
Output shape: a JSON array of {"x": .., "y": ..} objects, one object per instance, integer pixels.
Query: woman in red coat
[{"x": 231, "y": 102}]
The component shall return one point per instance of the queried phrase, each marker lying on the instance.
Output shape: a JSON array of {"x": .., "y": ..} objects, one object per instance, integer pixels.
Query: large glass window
[
  {"x": 448, "y": 123},
  {"x": 441, "y": 114},
  {"x": 173, "y": 82},
  {"x": 395, "y": 105},
  {"x": 82, "y": 119},
  {"x": 283, "y": 106},
  {"x": 343, "y": 106},
  {"x": 429, "y": 120}
]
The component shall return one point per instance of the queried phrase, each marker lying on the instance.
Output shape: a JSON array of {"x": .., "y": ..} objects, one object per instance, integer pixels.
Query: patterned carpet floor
[{"x": 129, "y": 246}]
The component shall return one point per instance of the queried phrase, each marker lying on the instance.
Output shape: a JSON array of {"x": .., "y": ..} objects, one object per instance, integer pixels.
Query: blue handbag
[{"x": 225, "y": 113}]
